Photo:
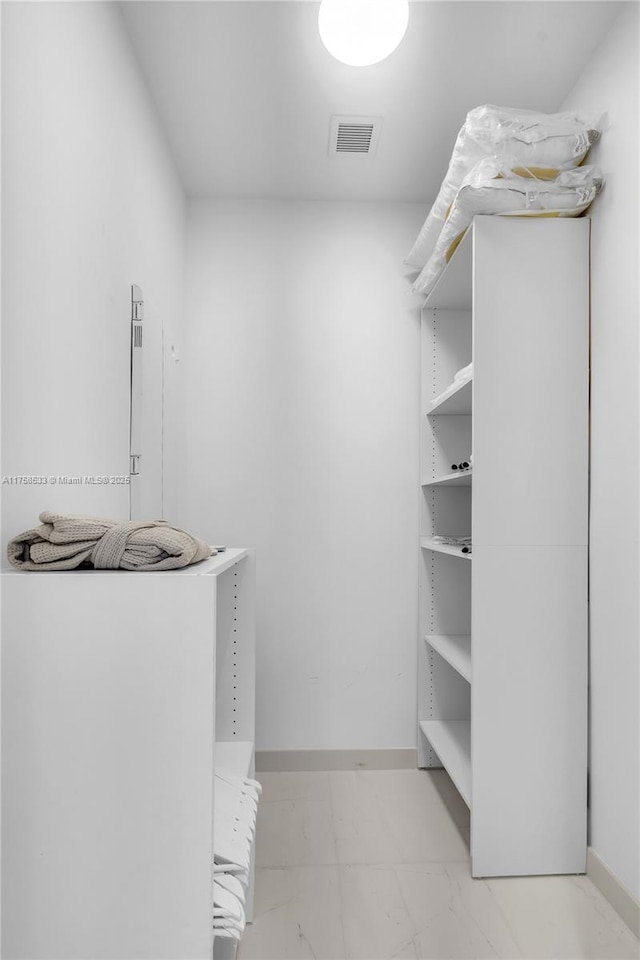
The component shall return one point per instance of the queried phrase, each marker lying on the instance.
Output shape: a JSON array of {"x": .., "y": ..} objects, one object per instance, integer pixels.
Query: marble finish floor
[{"x": 375, "y": 865}]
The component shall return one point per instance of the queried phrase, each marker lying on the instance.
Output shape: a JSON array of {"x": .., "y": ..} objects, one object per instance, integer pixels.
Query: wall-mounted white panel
[
  {"x": 609, "y": 84},
  {"x": 107, "y": 740},
  {"x": 529, "y": 710},
  {"x": 303, "y": 392},
  {"x": 531, "y": 381},
  {"x": 91, "y": 204},
  {"x": 614, "y": 716}
]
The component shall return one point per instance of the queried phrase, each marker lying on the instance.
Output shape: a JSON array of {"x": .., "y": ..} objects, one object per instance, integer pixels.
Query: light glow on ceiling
[{"x": 362, "y": 32}]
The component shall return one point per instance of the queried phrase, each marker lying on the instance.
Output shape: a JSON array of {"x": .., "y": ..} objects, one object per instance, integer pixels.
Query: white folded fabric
[
  {"x": 545, "y": 143},
  {"x": 66, "y": 541},
  {"x": 493, "y": 188},
  {"x": 232, "y": 884},
  {"x": 234, "y": 820},
  {"x": 225, "y": 931},
  {"x": 228, "y": 869},
  {"x": 245, "y": 784},
  {"x": 231, "y": 800},
  {"x": 465, "y": 373},
  {"x": 227, "y": 905},
  {"x": 454, "y": 541}
]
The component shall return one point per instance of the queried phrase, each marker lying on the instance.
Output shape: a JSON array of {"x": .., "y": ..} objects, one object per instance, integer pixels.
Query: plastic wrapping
[
  {"x": 493, "y": 188},
  {"x": 544, "y": 144}
]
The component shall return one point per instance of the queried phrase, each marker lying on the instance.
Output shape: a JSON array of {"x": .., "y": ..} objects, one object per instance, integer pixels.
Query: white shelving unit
[
  {"x": 453, "y": 401},
  {"x": 503, "y": 639},
  {"x": 455, "y": 650},
  {"x": 121, "y": 695},
  {"x": 460, "y": 479},
  {"x": 428, "y": 544},
  {"x": 451, "y": 739},
  {"x": 236, "y": 756}
]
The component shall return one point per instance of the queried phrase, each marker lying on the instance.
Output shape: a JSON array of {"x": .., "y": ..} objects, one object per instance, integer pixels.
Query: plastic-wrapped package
[
  {"x": 229, "y": 917},
  {"x": 493, "y": 188},
  {"x": 543, "y": 143}
]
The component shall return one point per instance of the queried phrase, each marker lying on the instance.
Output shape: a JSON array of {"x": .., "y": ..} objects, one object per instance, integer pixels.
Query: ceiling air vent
[{"x": 354, "y": 136}]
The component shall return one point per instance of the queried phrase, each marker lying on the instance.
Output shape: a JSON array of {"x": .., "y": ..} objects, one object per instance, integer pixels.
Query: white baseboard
[
  {"x": 281, "y": 761},
  {"x": 613, "y": 890}
]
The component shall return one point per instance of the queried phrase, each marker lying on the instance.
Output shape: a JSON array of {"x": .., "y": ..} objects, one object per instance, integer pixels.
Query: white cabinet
[
  {"x": 120, "y": 693},
  {"x": 503, "y": 630}
]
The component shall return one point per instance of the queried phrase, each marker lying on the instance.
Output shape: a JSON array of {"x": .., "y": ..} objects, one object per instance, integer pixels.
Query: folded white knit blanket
[{"x": 66, "y": 542}]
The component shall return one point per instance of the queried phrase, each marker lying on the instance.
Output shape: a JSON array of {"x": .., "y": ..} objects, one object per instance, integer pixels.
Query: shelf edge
[
  {"x": 441, "y": 650},
  {"x": 458, "y": 762}
]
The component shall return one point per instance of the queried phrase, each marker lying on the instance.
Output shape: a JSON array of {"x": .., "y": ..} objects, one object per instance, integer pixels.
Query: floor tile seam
[
  {"x": 416, "y": 932},
  {"x": 416, "y": 787},
  {"x": 266, "y": 803},
  {"x": 332, "y": 810},
  {"x": 396, "y": 864},
  {"x": 433, "y": 803},
  {"x": 399, "y": 863},
  {"x": 297, "y": 866},
  {"x": 408, "y": 914},
  {"x": 278, "y": 799},
  {"x": 341, "y": 899},
  {"x": 474, "y": 921},
  {"x": 503, "y": 914}
]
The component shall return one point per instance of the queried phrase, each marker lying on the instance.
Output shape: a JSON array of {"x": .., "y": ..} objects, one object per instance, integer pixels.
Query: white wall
[
  {"x": 302, "y": 370},
  {"x": 610, "y": 83},
  {"x": 91, "y": 204}
]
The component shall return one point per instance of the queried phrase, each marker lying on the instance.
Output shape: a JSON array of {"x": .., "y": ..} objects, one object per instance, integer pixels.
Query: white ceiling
[{"x": 245, "y": 90}]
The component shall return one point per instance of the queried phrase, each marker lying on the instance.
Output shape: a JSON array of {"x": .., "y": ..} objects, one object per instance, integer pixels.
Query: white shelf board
[
  {"x": 456, "y": 650},
  {"x": 451, "y": 740},
  {"x": 453, "y": 290},
  {"x": 219, "y": 563},
  {"x": 236, "y": 756},
  {"x": 428, "y": 544},
  {"x": 462, "y": 478},
  {"x": 456, "y": 400},
  {"x": 211, "y": 566}
]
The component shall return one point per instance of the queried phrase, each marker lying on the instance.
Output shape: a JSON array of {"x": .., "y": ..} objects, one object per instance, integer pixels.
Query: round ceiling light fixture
[{"x": 362, "y": 32}]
